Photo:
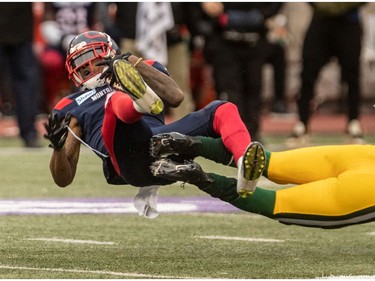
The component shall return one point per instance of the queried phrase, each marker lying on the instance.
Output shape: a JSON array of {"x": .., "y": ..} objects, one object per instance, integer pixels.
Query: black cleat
[
  {"x": 173, "y": 143},
  {"x": 189, "y": 171}
]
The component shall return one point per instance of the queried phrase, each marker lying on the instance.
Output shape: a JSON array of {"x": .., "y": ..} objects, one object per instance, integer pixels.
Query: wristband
[{"x": 138, "y": 61}]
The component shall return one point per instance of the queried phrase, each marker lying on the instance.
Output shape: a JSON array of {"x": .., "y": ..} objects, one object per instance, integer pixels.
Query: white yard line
[
  {"x": 68, "y": 207},
  {"x": 241, "y": 239},
  {"x": 73, "y": 241},
  {"x": 225, "y": 215},
  {"x": 348, "y": 277},
  {"x": 99, "y": 272}
]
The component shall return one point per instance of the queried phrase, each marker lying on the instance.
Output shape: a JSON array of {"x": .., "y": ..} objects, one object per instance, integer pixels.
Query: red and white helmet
[{"x": 82, "y": 51}]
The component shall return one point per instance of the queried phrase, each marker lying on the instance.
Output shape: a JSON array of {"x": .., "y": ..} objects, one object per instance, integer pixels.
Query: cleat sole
[
  {"x": 254, "y": 162},
  {"x": 130, "y": 80}
]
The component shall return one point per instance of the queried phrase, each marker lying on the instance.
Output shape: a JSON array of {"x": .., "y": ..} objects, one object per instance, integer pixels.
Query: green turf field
[{"x": 175, "y": 245}]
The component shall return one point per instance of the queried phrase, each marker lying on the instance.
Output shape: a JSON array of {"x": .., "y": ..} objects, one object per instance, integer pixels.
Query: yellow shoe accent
[{"x": 157, "y": 107}]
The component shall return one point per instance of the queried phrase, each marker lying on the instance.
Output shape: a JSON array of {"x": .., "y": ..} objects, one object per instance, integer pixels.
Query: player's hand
[
  {"x": 108, "y": 73},
  {"x": 57, "y": 130}
]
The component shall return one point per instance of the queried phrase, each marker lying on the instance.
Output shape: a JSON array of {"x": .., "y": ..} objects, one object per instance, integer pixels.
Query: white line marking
[
  {"x": 348, "y": 277},
  {"x": 241, "y": 239},
  {"x": 99, "y": 272},
  {"x": 66, "y": 207},
  {"x": 225, "y": 215},
  {"x": 71, "y": 241}
]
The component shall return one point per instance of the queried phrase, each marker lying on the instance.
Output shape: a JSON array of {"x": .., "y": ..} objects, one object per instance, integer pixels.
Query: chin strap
[{"x": 88, "y": 146}]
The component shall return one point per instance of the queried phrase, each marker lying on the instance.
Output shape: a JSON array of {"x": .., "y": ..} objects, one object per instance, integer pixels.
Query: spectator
[
  {"x": 16, "y": 51},
  {"x": 235, "y": 44},
  {"x": 178, "y": 58},
  {"x": 62, "y": 21},
  {"x": 276, "y": 57},
  {"x": 334, "y": 31}
]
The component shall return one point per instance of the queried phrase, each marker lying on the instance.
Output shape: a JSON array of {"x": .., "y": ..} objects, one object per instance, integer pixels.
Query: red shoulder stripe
[
  {"x": 62, "y": 103},
  {"x": 149, "y": 62}
]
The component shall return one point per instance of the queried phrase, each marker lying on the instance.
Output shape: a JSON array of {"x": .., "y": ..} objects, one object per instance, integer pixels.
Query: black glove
[
  {"x": 108, "y": 74},
  {"x": 57, "y": 130}
]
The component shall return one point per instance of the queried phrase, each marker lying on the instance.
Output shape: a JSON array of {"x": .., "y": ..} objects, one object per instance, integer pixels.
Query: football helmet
[{"x": 84, "y": 51}]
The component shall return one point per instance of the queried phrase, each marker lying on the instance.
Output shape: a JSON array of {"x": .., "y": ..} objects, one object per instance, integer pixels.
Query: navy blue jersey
[{"x": 88, "y": 108}]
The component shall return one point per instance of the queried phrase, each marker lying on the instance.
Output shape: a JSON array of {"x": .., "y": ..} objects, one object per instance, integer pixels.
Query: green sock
[
  {"x": 268, "y": 157},
  {"x": 262, "y": 201},
  {"x": 214, "y": 150},
  {"x": 222, "y": 187}
]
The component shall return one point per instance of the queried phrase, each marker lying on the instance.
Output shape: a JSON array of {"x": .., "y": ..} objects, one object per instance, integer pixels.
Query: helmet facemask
[{"x": 81, "y": 63}]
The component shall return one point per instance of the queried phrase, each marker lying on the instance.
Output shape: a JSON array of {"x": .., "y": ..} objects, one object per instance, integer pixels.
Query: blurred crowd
[{"x": 213, "y": 50}]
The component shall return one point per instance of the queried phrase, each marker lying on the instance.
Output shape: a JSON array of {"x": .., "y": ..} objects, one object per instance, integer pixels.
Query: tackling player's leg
[
  {"x": 250, "y": 166},
  {"x": 173, "y": 143},
  {"x": 188, "y": 171},
  {"x": 260, "y": 202},
  {"x": 305, "y": 205},
  {"x": 327, "y": 201},
  {"x": 162, "y": 145}
]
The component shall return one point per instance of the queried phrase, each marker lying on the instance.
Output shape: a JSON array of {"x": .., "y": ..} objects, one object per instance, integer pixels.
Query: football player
[
  {"x": 333, "y": 186},
  {"x": 119, "y": 108}
]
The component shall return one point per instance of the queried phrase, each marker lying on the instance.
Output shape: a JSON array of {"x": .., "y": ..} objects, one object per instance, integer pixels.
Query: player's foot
[
  {"x": 355, "y": 132},
  {"x": 250, "y": 167},
  {"x": 298, "y": 137},
  {"x": 189, "y": 171},
  {"x": 172, "y": 143},
  {"x": 134, "y": 85}
]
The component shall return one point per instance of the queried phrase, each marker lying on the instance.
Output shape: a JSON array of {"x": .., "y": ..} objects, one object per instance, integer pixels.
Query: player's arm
[
  {"x": 66, "y": 148},
  {"x": 163, "y": 85}
]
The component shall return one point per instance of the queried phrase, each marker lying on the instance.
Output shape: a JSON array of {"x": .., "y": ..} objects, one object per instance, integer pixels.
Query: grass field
[{"x": 229, "y": 245}]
